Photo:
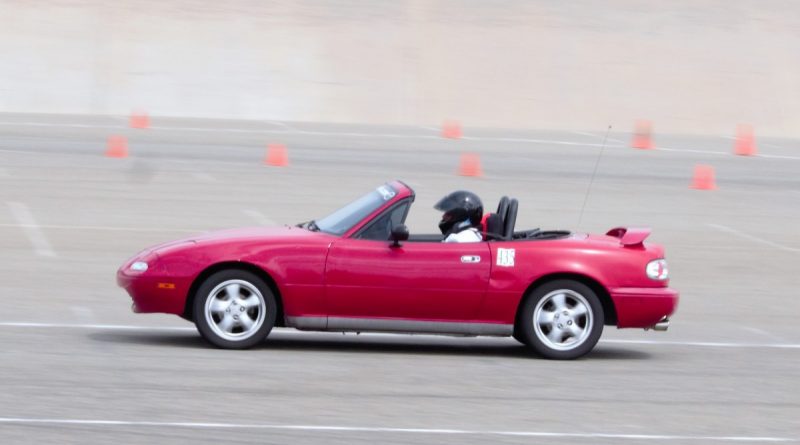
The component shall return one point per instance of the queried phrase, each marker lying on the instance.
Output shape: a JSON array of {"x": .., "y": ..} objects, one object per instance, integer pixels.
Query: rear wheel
[
  {"x": 562, "y": 319},
  {"x": 234, "y": 309}
]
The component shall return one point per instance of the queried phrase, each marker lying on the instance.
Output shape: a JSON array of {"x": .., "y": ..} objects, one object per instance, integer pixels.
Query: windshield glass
[{"x": 342, "y": 220}]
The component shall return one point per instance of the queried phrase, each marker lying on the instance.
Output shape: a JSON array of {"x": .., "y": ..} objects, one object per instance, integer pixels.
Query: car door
[{"x": 424, "y": 281}]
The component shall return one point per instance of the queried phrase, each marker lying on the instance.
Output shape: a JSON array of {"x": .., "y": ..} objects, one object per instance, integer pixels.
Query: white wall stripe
[{"x": 368, "y": 429}]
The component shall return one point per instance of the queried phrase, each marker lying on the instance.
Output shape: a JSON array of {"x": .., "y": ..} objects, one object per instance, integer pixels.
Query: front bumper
[
  {"x": 152, "y": 292},
  {"x": 643, "y": 307}
]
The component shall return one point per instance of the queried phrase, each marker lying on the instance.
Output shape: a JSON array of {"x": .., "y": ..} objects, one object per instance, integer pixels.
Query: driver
[{"x": 463, "y": 211}]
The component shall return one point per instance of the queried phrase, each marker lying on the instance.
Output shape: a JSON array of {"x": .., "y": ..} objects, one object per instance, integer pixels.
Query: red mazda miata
[{"x": 358, "y": 270}]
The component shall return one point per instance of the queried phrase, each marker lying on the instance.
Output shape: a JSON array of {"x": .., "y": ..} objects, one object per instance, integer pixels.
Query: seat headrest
[{"x": 494, "y": 224}]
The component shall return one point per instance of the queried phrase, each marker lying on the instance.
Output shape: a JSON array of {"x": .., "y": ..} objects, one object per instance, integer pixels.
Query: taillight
[{"x": 657, "y": 270}]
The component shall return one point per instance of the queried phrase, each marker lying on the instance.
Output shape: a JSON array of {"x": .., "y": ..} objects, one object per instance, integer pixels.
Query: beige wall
[{"x": 691, "y": 66}]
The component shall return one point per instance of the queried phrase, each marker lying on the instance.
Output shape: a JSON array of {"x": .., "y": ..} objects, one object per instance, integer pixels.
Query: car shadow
[{"x": 336, "y": 344}]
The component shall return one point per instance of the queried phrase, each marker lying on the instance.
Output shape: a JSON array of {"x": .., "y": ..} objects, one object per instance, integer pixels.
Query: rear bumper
[{"x": 643, "y": 307}]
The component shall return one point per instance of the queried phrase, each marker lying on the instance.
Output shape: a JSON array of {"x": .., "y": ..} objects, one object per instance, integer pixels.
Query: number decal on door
[{"x": 505, "y": 257}]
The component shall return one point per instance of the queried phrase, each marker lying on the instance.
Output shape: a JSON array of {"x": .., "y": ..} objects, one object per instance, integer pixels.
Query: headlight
[
  {"x": 139, "y": 266},
  {"x": 657, "y": 270}
]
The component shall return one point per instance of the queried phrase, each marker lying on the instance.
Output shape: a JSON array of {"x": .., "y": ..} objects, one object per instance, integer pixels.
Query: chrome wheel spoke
[
  {"x": 579, "y": 310},
  {"x": 559, "y": 301},
  {"x": 227, "y": 322},
  {"x": 250, "y": 302},
  {"x": 575, "y": 331},
  {"x": 232, "y": 290},
  {"x": 555, "y": 335},
  {"x": 246, "y": 322},
  {"x": 545, "y": 318},
  {"x": 218, "y": 305}
]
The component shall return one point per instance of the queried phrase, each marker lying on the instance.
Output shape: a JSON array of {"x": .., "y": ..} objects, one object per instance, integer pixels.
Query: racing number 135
[{"x": 505, "y": 257}]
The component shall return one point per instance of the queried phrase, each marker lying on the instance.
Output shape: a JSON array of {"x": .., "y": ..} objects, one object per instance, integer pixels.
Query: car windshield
[{"x": 342, "y": 220}]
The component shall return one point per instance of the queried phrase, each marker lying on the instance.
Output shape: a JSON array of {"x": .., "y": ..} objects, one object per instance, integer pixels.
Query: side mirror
[{"x": 399, "y": 233}]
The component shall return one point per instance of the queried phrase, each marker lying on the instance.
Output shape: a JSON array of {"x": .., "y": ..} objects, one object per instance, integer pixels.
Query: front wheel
[
  {"x": 234, "y": 309},
  {"x": 562, "y": 319}
]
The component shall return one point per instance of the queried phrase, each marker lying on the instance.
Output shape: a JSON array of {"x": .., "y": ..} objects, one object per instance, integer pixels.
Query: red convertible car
[{"x": 359, "y": 270}]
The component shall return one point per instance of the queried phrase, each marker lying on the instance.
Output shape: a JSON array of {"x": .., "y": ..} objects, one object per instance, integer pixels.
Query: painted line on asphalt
[
  {"x": 776, "y": 157},
  {"x": 26, "y": 152},
  {"x": 113, "y": 229},
  {"x": 753, "y": 238},
  {"x": 33, "y": 231},
  {"x": 764, "y": 333},
  {"x": 226, "y": 130},
  {"x": 586, "y": 133},
  {"x": 294, "y": 332},
  {"x": 690, "y": 150},
  {"x": 281, "y": 124},
  {"x": 291, "y": 130},
  {"x": 705, "y": 344},
  {"x": 600, "y": 136},
  {"x": 384, "y": 430},
  {"x": 258, "y": 217},
  {"x": 434, "y": 129},
  {"x": 110, "y": 327},
  {"x": 62, "y": 125}
]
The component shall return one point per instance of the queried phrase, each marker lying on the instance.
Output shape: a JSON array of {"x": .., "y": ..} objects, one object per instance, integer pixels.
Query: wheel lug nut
[{"x": 241, "y": 309}]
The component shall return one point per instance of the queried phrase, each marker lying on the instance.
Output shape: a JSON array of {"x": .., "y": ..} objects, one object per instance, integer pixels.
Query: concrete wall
[{"x": 697, "y": 66}]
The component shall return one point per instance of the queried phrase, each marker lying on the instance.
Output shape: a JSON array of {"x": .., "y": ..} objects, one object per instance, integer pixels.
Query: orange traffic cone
[
  {"x": 704, "y": 178},
  {"x": 643, "y": 135},
  {"x": 139, "y": 119},
  {"x": 117, "y": 147},
  {"x": 745, "y": 141},
  {"x": 470, "y": 165},
  {"x": 451, "y": 130},
  {"x": 277, "y": 156}
]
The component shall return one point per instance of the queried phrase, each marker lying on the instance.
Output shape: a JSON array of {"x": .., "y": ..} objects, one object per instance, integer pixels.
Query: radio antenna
[{"x": 594, "y": 173}]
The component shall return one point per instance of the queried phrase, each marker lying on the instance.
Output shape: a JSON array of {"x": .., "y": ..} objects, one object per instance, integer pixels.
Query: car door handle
[{"x": 470, "y": 259}]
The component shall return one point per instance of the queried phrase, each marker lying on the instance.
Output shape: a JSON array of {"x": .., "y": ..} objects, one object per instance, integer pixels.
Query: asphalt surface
[{"x": 76, "y": 366}]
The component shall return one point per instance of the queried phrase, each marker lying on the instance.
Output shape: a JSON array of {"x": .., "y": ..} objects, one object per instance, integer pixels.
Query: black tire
[
  {"x": 518, "y": 335},
  {"x": 567, "y": 333},
  {"x": 262, "y": 313}
]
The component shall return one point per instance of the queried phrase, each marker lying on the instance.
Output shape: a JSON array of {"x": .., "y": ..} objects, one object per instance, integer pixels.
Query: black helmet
[{"x": 459, "y": 206}]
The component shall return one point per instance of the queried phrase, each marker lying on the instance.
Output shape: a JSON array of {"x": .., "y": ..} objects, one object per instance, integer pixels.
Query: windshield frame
[{"x": 392, "y": 192}]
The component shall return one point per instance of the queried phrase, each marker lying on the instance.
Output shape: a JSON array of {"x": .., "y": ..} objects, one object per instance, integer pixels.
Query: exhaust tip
[{"x": 662, "y": 325}]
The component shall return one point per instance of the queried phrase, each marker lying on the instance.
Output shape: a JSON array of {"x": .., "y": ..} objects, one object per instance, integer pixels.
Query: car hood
[
  {"x": 246, "y": 233},
  {"x": 239, "y": 235}
]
